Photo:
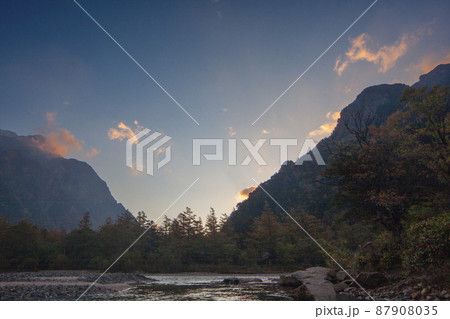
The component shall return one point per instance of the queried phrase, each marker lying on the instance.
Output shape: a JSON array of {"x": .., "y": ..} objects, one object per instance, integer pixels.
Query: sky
[{"x": 224, "y": 62}]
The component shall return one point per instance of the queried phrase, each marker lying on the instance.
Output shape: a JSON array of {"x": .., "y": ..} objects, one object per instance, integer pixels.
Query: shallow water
[{"x": 203, "y": 287}]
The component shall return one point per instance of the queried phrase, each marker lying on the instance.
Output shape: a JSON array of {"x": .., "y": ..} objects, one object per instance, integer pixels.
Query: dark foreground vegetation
[{"x": 390, "y": 185}]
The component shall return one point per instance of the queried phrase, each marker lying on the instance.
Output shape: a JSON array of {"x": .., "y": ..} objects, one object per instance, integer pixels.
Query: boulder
[
  {"x": 322, "y": 291},
  {"x": 371, "y": 279},
  {"x": 317, "y": 281},
  {"x": 342, "y": 275},
  {"x": 289, "y": 281},
  {"x": 322, "y": 272}
]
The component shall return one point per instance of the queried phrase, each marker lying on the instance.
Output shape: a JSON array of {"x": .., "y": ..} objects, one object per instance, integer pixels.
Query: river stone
[
  {"x": 316, "y": 280},
  {"x": 343, "y": 276}
]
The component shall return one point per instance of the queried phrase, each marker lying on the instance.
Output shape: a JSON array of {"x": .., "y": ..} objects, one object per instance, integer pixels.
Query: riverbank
[
  {"x": 69, "y": 285},
  {"x": 62, "y": 285},
  {"x": 325, "y": 284}
]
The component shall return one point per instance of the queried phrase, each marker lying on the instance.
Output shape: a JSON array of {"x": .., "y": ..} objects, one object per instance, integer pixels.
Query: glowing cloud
[
  {"x": 385, "y": 57},
  {"x": 243, "y": 194},
  {"x": 231, "y": 131},
  {"x": 60, "y": 143},
  {"x": 57, "y": 141},
  {"x": 92, "y": 153},
  {"x": 326, "y": 128},
  {"x": 123, "y": 131},
  {"x": 429, "y": 62}
]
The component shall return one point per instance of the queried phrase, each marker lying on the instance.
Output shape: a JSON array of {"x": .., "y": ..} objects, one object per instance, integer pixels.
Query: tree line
[{"x": 179, "y": 244}]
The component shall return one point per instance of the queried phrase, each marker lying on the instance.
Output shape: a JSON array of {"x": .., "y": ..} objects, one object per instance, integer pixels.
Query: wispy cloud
[
  {"x": 429, "y": 62},
  {"x": 123, "y": 131},
  {"x": 244, "y": 193},
  {"x": 385, "y": 57},
  {"x": 231, "y": 131},
  {"x": 60, "y": 142},
  {"x": 57, "y": 141},
  {"x": 326, "y": 128},
  {"x": 92, "y": 152}
]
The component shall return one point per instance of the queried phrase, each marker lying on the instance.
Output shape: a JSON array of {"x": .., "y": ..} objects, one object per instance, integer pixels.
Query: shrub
[{"x": 427, "y": 244}]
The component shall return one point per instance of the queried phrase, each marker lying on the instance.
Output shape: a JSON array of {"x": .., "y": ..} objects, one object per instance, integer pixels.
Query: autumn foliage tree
[{"x": 401, "y": 164}]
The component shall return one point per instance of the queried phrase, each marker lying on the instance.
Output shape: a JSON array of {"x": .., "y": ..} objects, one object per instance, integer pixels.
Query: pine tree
[
  {"x": 165, "y": 226},
  {"x": 223, "y": 220},
  {"x": 266, "y": 234},
  {"x": 212, "y": 224},
  {"x": 142, "y": 219}
]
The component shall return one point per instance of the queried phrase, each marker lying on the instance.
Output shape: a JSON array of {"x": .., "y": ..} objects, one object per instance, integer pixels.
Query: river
[{"x": 202, "y": 287}]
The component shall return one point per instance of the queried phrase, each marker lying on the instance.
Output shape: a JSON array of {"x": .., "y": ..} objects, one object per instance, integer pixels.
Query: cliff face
[
  {"x": 47, "y": 190},
  {"x": 295, "y": 185}
]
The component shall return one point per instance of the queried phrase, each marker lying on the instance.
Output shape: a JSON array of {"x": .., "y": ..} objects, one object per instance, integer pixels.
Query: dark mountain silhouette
[
  {"x": 302, "y": 185},
  {"x": 48, "y": 190}
]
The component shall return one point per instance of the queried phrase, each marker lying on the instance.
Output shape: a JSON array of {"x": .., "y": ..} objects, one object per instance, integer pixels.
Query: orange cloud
[
  {"x": 429, "y": 62},
  {"x": 243, "y": 194},
  {"x": 123, "y": 131},
  {"x": 92, "y": 153},
  {"x": 385, "y": 57},
  {"x": 231, "y": 131},
  {"x": 60, "y": 143},
  {"x": 326, "y": 128}
]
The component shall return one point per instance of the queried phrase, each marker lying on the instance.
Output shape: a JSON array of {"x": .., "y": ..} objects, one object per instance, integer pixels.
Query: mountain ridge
[
  {"x": 295, "y": 185},
  {"x": 49, "y": 190}
]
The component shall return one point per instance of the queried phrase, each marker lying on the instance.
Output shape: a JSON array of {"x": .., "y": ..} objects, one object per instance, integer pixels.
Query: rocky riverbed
[
  {"x": 62, "y": 285},
  {"x": 69, "y": 285},
  {"x": 317, "y": 283}
]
